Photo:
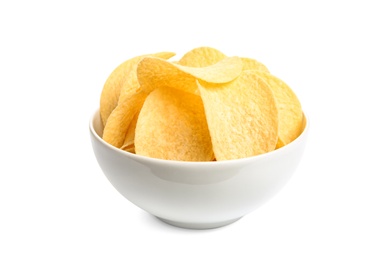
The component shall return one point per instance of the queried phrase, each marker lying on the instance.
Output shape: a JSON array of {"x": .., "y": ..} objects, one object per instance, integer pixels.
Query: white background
[{"x": 56, "y": 203}]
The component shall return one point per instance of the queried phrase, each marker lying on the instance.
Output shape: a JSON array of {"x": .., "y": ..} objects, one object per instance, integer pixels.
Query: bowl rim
[{"x": 143, "y": 158}]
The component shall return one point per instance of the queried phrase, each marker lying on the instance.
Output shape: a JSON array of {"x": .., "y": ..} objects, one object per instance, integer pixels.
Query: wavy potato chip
[
  {"x": 129, "y": 102},
  {"x": 111, "y": 90},
  {"x": 131, "y": 84},
  {"x": 289, "y": 107},
  {"x": 172, "y": 126},
  {"x": 201, "y": 57},
  {"x": 119, "y": 79},
  {"x": 120, "y": 119},
  {"x": 128, "y": 143},
  {"x": 242, "y": 116},
  {"x": 252, "y": 64},
  {"x": 154, "y": 72}
]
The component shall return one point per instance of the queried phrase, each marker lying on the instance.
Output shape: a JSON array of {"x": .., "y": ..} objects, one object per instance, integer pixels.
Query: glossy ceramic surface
[{"x": 197, "y": 195}]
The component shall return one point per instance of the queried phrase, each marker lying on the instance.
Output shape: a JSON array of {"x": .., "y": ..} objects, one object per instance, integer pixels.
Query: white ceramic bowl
[{"x": 197, "y": 195}]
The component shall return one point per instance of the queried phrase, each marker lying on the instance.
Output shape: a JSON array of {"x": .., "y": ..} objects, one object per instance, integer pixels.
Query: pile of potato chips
[{"x": 205, "y": 106}]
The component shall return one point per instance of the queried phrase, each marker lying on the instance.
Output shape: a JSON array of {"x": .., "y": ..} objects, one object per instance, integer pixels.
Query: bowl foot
[{"x": 190, "y": 225}]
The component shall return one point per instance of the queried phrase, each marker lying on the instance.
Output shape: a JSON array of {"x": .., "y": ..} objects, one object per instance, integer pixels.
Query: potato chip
[
  {"x": 201, "y": 57},
  {"x": 155, "y": 72},
  {"x": 129, "y": 102},
  {"x": 172, "y": 126},
  {"x": 131, "y": 84},
  {"x": 242, "y": 116},
  {"x": 117, "y": 79},
  {"x": 223, "y": 71},
  {"x": 120, "y": 119},
  {"x": 252, "y": 64},
  {"x": 128, "y": 144},
  {"x": 289, "y": 107},
  {"x": 111, "y": 90}
]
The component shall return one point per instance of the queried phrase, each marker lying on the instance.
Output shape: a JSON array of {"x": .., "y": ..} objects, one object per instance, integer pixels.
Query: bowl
[{"x": 197, "y": 195}]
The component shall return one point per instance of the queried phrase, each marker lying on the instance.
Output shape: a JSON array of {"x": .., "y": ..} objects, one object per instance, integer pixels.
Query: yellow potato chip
[
  {"x": 201, "y": 57},
  {"x": 117, "y": 80},
  {"x": 120, "y": 119},
  {"x": 252, "y": 64},
  {"x": 129, "y": 102},
  {"x": 128, "y": 144},
  {"x": 111, "y": 90},
  {"x": 289, "y": 107},
  {"x": 242, "y": 116},
  {"x": 223, "y": 71},
  {"x": 155, "y": 72},
  {"x": 131, "y": 84},
  {"x": 172, "y": 126}
]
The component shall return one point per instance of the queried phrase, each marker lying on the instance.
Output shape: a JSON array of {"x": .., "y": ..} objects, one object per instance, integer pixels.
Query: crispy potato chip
[
  {"x": 223, "y": 71},
  {"x": 128, "y": 144},
  {"x": 289, "y": 107},
  {"x": 111, "y": 90},
  {"x": 131, "y": 84},
  {"x": 155, "y": 72},
  {"x": 252, "y": 64},
  {"x": 172, "y": 126},
  {"x": 129, "y": 103},
  {"x": 129, "y": 147},
  {"x": 242, "y": 116},
  {"x": 120, "y": 119},
  {"x": 201, "y": 57},
  {"x": 119, "y": 79}
]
